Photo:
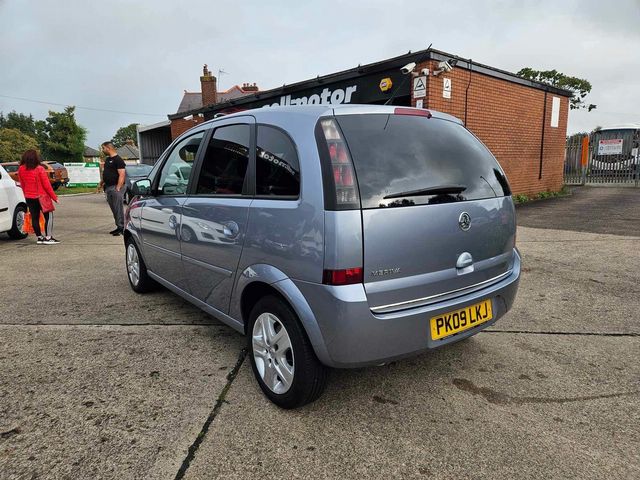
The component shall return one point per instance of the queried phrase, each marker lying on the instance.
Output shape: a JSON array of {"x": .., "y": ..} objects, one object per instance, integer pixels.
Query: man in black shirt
[{"x": 113, "y": 177}]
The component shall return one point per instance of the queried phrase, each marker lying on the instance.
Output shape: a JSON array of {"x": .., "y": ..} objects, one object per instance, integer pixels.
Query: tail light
[
  {"x": 348, "y": 276},
  {"x": 342, "y": 170}
]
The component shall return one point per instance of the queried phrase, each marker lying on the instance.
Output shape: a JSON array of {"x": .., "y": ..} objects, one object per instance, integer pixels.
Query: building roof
[
  {"x": 193, "y": 100},
  {"x": 233, "y": 92},
  {"x": 190, "y": 101},
  {"x": 144, "y": 128},
  {"x": 90, "y": 152},
  {"x": 129, "y": 152},
  {"x": 360, "y": 70}
]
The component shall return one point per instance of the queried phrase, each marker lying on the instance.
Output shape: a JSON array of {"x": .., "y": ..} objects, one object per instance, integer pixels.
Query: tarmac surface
[{"x": 99, "y": 382}]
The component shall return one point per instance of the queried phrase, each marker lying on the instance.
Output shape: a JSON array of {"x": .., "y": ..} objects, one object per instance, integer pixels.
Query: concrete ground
[{"x": 98, "y": 382}]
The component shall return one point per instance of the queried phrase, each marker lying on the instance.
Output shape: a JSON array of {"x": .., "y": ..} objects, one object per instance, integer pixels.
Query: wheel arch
[
  {"x": 259, "y": 280},
  {"x": 128, "y": 235}
]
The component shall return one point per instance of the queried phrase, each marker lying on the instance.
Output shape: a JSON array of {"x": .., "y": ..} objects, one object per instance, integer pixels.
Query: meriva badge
[{"x": 384, "y": 272}]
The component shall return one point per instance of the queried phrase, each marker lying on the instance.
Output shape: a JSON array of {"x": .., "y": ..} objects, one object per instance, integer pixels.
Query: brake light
[
  {"x": 341, "y": 165},
  {"x": 348, "y": 276},
  {"x": 418, "y": 112}
]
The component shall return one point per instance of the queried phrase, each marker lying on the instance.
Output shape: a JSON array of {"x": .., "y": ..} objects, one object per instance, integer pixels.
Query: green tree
[
  {"x": 61, "y": 138},
  {"x": 25, "y": 123},
  {"x": 13, "y": 143},
  {"x": 126, "y": 133},
  {"x": 578, "y": 86}
]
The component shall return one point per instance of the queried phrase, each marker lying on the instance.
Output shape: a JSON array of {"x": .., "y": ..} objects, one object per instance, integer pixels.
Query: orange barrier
[{"x": 585, "y": 151}]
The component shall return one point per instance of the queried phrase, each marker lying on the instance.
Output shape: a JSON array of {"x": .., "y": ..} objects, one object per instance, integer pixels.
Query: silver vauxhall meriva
[{"x": 332, "y": 236}]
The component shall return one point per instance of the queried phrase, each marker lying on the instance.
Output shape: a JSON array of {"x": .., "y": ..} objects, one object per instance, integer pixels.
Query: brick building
[{"x": 522, "y": 122}]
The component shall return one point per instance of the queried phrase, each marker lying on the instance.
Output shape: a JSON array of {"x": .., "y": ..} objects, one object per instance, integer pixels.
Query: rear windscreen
[{"x": 418, "y": 160}]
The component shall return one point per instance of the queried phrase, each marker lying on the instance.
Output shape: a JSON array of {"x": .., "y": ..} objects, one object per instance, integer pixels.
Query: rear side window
[
  {"x": 277, "y": 167},
  {"x": 404, "y": 160},
  {"x": 225, "y": 162}
]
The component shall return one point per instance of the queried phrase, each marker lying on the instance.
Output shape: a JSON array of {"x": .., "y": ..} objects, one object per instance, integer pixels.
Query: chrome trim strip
[{"x": 420, "y": 302}]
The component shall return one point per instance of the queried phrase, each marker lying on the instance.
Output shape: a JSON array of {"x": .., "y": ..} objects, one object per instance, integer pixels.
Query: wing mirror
[{"x": 141, "y": 187}]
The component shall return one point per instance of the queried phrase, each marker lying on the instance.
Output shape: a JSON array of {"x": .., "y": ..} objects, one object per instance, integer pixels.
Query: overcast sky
[{"x": 140, "y": 56}]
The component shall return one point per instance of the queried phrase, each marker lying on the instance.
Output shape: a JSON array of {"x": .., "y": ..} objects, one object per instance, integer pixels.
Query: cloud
[{"x": 140, "y": 56}]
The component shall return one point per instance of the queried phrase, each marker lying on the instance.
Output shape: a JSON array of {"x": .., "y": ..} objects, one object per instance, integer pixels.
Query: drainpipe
[{"x": 544, "y": 120}]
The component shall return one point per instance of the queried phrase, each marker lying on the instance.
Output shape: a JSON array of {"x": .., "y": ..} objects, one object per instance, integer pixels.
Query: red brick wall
[
  {"x": 507, "y": 117},
  {"x": 179, "y": 126}
]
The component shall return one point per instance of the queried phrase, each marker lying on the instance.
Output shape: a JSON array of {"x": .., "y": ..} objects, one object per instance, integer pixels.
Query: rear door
[
  {"x": 436, "y": 213},
  {"x": 214, "y": 220}
]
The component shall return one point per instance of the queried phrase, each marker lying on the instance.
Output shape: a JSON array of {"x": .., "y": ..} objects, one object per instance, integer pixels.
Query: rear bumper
[{"x": 354, "y": 336}]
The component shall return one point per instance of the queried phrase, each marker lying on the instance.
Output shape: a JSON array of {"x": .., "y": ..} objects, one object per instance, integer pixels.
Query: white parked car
[{"x": 12, "y": 206}]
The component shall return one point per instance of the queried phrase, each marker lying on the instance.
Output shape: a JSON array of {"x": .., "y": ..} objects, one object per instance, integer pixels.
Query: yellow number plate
[{"x": 460, "y": 320}]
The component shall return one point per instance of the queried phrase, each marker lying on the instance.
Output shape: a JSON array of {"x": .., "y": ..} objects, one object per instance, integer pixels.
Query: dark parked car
[{"x": 133, "y": 173}]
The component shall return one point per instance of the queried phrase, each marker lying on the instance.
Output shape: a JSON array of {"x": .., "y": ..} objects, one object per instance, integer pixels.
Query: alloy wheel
[
  {"x": 272, "y": 353},
  {"x": 133, "y": 264},
  {"x": 20, "y": 221}
]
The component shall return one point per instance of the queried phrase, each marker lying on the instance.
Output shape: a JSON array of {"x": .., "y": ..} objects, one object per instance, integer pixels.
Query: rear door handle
[{"x": 230, "y": 229}]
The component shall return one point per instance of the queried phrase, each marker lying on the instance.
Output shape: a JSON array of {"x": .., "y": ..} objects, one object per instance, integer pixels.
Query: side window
[
  {"x": 225, "y": 163},
  {"x": 277, "y": 167},
  {"x": 174, "y": 177}
]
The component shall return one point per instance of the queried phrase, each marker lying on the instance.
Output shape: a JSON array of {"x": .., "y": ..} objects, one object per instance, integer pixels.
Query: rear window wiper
[{"x": 438, "y": 190}]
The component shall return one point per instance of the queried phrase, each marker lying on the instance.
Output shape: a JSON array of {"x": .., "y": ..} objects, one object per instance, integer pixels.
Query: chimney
[
  {"x": 247, "y": 87},
  {"x": 209, "y": 85},
  {"x": 130, "y": 142}
]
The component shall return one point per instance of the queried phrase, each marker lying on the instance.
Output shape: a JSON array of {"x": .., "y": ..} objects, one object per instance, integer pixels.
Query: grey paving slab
[
  {"x": 496, "y": 406},
  {"x": 576, "y": 282},
  {"x": 127, "y": 401},
  {"x": 80, "y": 402},
  {"x": 83, "y": 279}
]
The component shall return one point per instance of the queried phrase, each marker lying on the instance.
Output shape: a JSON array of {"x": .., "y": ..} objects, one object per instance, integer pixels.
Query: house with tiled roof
[
  {"x": 90, "y": 154},
  {"x": 209, "y": 95},
  {"x": 129, "y": 152}
]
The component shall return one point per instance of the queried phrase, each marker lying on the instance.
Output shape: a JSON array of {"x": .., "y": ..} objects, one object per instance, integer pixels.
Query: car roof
[{"x": 318, "y": 111}]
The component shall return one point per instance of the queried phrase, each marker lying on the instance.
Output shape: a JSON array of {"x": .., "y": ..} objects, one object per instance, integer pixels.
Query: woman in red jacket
[{"x": 35, "y": 183}]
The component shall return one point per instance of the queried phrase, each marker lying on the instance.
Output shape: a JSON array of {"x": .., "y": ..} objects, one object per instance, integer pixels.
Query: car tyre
[
  {"x": 281, "y": 355},
  {"x": 17, "y": 230},
  {"x": 139, "y": 279},
  {"x": 187, "y": 234}
]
